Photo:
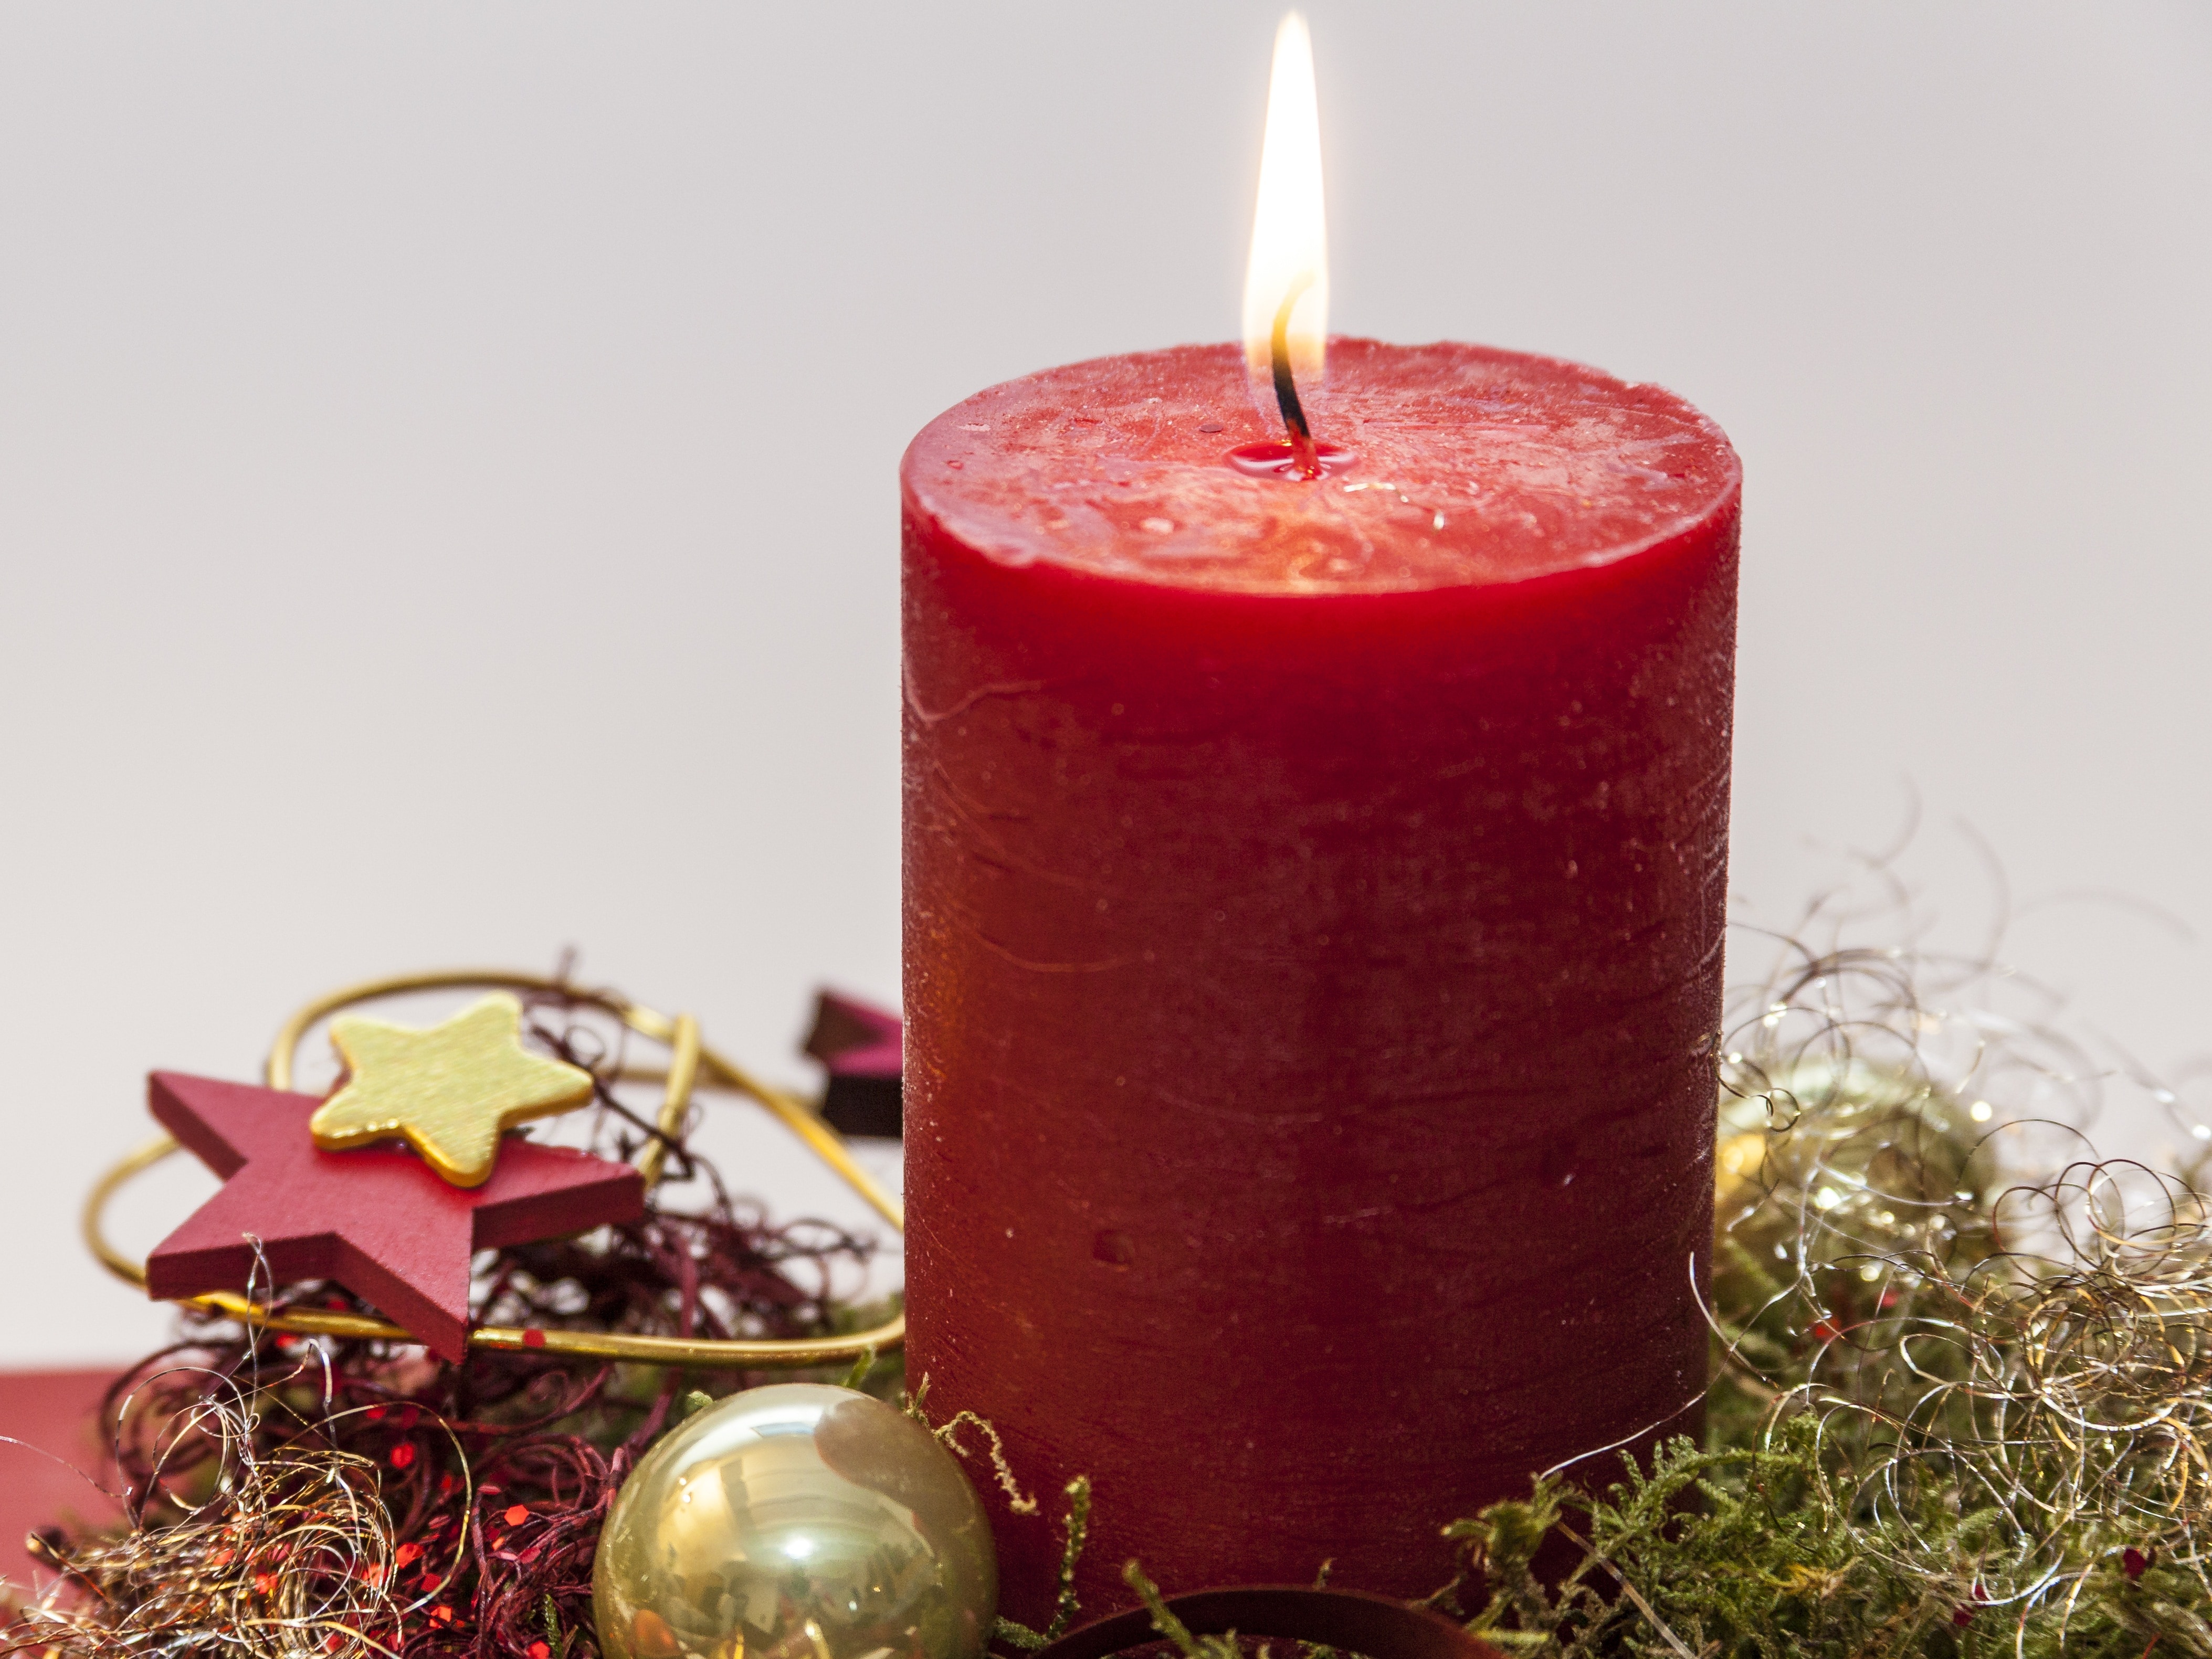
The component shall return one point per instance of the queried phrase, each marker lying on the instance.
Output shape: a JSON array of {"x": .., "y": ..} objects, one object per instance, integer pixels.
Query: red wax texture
[{"x": 1313, "y": 911}]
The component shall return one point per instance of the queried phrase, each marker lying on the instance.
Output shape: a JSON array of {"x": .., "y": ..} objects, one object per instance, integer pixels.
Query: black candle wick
[{"x": 1306, "y": 458}]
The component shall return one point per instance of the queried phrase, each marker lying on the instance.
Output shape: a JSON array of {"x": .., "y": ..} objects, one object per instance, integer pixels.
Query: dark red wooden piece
[
  {"x": 863, "y": 1048},
  {"x": 1352, "y": 1620},
  {"x": 379, "y": 1221}
]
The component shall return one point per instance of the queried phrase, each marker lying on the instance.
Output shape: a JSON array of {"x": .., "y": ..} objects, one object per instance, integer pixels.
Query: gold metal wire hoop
[{"x": 691, "y": 1065}]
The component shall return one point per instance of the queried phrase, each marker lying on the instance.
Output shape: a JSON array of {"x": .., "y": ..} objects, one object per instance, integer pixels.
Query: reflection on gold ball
[
  {"x": 1842, "y": 1161},
  {"x": 796, "y": 1522}
]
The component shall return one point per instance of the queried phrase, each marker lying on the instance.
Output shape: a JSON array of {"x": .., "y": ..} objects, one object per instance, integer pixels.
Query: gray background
[{"x": 446, "y": 462}]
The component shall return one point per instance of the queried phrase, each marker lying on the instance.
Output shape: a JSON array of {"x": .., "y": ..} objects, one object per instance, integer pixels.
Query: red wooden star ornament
[{"x": 379, "y": 1220}]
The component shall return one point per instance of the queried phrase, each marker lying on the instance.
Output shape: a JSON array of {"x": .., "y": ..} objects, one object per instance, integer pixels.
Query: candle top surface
[{"x": 1468, "y": 465}]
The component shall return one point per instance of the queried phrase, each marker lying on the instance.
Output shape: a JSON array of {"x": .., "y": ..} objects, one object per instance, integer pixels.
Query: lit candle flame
[{"x": 1286, "y": 279}]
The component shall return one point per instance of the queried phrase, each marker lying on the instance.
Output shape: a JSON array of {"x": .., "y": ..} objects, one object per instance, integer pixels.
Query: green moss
[{"x": 1764, "y": 1553}]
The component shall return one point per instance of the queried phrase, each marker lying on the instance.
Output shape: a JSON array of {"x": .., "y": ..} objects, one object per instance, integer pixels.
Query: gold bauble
[
  {"x": 796, "y": 1522},
  {"x": 1843, "y": 1162}
]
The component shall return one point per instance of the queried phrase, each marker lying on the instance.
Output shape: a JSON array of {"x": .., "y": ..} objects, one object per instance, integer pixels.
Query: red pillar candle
[{"x": 1313, "y": 912}]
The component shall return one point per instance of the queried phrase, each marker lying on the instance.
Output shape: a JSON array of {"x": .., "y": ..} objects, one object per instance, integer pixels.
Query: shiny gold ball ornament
[
  {"x": 796, "y": 1522},
  {"x": 1840, "y": 1163}
]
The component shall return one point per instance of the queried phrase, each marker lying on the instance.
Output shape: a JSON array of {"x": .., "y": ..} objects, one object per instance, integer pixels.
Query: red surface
[
  {"x": 1313, "y": 934},
  {"x": 48, "y": 1417},
  {"x": 379, "y": 1221}
]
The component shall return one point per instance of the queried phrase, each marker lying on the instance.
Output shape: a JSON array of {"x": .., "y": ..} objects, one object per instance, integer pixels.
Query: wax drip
[{"x": 1306, "y": 459}]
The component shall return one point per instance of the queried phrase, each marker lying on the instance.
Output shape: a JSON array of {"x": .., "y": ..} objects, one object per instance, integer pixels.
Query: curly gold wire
[
  {"x": 692, "y": 1066},
  {"x": 161, "y": 1590}
]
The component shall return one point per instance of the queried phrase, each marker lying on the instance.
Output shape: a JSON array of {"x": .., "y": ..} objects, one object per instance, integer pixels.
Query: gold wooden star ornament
[{"x": 450, "y": 1092}]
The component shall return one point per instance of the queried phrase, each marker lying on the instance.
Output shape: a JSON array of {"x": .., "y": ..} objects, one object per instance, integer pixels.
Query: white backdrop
[{"x": 446, "y": 462}]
